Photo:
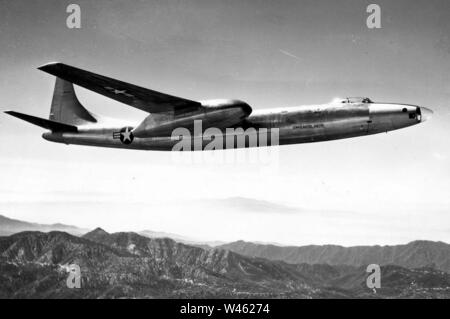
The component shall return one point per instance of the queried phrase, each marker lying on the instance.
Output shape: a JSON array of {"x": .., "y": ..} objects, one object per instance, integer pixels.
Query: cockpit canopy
[{"x": 356, "y": 100}]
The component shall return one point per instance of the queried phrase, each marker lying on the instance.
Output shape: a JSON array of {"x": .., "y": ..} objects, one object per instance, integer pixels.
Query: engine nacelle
[
  {"x": 224, "y": 113},
  {"x": 214, "y": 113}
]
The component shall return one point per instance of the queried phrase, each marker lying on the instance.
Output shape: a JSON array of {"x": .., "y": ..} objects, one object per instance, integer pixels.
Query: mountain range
[
  {"x": 34, "y": 264},
  {"x": 128, "y": 265},
  {"x": 9, "y": 226},
  {"x": 181, "y": 239},
  {"x": 415, "y": 254}
]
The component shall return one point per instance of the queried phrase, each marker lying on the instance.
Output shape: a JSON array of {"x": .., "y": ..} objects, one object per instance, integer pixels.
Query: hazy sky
[{"x": 382, "y": 189}]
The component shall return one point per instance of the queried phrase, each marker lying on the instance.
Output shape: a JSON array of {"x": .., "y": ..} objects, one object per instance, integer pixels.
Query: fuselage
[{"x": 303, "y": 124}]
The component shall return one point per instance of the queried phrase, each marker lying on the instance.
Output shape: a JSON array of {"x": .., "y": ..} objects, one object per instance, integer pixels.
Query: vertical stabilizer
[{"x": 65, "y": 106}]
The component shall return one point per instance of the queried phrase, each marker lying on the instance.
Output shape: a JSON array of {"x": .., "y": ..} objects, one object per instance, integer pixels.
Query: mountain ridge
[
  {"x": 416, "y": 254},
  {"x": 127, "y": 265},
  {"x": 9, "y": 226},
  {"x": 419, "y": 253}
]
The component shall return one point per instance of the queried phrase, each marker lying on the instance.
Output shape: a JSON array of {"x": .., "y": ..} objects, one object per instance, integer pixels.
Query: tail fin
[
  {"x": 48, "y": 124},
  {"x": 66, "y": 111},
  {"x": 65, "y": 105}
]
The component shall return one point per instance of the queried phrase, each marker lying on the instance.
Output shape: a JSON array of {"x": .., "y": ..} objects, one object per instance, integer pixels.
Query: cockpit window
[{"x": 356, "y": 100}]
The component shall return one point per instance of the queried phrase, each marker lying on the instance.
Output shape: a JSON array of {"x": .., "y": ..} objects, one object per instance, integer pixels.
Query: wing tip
[{"x": 49, "y": 66}]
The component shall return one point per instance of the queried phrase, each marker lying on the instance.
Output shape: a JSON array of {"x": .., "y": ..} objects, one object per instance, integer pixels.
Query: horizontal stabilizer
[{"x": 48, "y": 124}]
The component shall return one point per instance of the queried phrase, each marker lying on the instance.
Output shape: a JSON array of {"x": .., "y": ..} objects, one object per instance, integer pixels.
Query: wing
[{"x": 135, "y": 96}]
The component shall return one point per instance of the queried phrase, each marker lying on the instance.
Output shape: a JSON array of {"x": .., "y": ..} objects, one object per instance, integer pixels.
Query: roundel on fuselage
[{"x": 126, "y": 135}]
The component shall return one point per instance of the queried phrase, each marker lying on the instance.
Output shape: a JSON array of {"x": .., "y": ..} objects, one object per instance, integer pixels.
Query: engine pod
[{"x": 214, "y": 113}]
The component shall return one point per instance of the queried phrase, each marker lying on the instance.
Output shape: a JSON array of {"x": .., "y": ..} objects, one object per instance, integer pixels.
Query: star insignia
[{"x": 126, "y": 135}]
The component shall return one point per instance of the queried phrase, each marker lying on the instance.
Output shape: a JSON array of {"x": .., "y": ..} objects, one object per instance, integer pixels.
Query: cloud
[{"x": 244, "y": 204}]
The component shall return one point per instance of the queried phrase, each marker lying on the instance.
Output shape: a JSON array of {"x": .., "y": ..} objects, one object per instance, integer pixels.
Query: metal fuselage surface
[{"x": 303, "y": 124}]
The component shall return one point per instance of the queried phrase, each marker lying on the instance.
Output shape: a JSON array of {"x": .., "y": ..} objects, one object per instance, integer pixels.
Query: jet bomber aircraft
[{"x": 198, "y": 125}]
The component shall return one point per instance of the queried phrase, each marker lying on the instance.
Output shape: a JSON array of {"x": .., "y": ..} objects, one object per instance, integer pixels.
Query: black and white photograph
[{"x": 224, "y": 154}]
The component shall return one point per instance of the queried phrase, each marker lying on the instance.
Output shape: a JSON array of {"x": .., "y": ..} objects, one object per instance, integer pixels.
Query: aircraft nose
[{"x": 426, "y": 113}]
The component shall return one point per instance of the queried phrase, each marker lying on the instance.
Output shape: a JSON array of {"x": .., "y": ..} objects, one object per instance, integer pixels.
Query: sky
[{"x": 382, "y": 189}]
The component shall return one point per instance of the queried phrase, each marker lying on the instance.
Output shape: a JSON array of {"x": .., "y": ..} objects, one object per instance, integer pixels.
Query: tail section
[
  {"x": 66, "y": 112},
  {"x": 65, "y": 106}
]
